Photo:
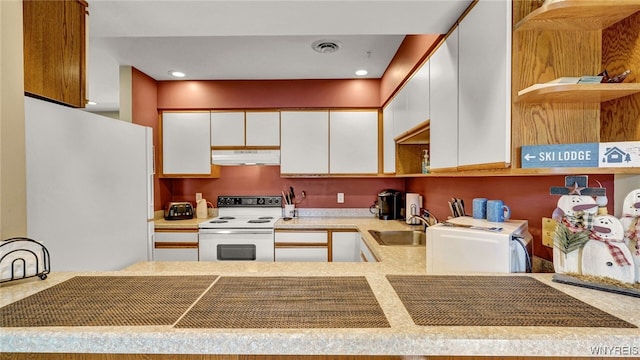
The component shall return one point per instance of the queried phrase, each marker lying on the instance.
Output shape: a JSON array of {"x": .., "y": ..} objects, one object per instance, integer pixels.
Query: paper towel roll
[{"x": 414, "y": 203}]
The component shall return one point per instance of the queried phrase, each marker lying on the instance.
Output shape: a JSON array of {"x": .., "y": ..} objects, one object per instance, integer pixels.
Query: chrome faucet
[{"x": 424, "y": 221}]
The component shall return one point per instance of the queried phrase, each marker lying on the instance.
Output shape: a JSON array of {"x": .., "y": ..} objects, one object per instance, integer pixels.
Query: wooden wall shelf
[
  {"x": 576, "y": 93},
  {"x": 578, "y": 14}
]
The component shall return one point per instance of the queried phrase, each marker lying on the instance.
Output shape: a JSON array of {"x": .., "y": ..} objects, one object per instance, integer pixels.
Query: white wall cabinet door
[
  {"x": 227, "y": 128},
  {"x": 418, "y": 102},
  {"x": 263, "y": 128},
  {"x": 304, "y": 147},
  {"x": 186, "y": 146},
  {"x": 353, "y": 142},
  {"x": 388, "y": 145},
  {"x": 400, "y": 106},
  {"x": 444, "y": 104},
  {"x": 345, "y": 246},
  {"x": 485, "y": 84}
]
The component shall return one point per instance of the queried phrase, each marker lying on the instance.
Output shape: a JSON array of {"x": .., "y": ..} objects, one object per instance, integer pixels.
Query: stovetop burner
[
  {"x": 258, "y": 221},
  {"x": 218, "y": 221},
  {"x": 226, "y": 218},
  {"x": 265, "y": 218}
]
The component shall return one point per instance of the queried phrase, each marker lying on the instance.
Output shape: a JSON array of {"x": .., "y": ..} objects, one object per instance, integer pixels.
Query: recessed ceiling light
[
  {"x": 361, "y": 72},
  {"x": 177, "y": 74},
  {"x": 92, "y": 103}
]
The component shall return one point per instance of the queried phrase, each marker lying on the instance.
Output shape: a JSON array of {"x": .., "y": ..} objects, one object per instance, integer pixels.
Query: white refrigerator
[{"x": 89, "y": 187}]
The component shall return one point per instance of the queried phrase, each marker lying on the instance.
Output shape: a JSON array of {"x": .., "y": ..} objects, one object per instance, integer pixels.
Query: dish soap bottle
[{"x": 425, "y": 162}]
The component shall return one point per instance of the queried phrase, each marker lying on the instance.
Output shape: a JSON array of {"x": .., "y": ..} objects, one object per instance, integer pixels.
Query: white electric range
[{"x": 243, "y": 230}]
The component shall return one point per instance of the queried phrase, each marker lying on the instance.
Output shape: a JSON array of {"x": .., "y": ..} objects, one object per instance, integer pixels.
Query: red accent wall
[
  {"x": 528, "y": 197},
  {"x": 266, "y": 180},
  {"x": 269, "y": 94},
  {"x": 411, "y": 54}
]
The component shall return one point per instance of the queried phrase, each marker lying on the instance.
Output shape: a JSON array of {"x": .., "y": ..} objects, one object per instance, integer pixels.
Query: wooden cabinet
[
  {"x": 484, "y": 70},
  {"x": 345, "y": 246},
  {"x": 227, "y": 129},
  {"x": 311, "y": 245},
  {"x": 240, "y": 129},
  {"x": 55, "y": 50},
  {"x": 175, "y": 245},
  {"x": 443, "y": 143},
  {"x": 186, "y": 149},
  {"x": 353, "y": 142},
  {"x": 304, "y": 147},
  {"x": 575, "y": 38}
]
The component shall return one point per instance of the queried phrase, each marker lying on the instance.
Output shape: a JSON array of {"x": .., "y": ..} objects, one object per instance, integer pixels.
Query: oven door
[{"x": 236, "y": 244}]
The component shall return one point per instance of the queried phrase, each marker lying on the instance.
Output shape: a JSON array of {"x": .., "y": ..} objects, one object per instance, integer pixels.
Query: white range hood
[{"x": 245, "y": 157}]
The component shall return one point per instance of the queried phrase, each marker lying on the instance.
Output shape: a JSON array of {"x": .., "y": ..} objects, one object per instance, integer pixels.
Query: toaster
[{"x": 178, "y": 211}]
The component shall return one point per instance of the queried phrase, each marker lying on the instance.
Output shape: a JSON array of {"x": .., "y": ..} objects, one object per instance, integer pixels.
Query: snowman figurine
[
  {"x": 571, "y": 206},
  {"x": 606, "y": 254},
  {"x": 631, "y": 224}
]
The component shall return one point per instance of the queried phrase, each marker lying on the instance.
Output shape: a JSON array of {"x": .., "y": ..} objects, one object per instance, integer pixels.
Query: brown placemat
[
  {"x": 108, "y": 301},
  {"x": 287, "y": 302},
  {"x": 494, "y": 301}
]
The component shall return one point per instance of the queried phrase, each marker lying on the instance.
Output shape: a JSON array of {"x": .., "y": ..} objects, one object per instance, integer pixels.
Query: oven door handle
[{"x": 236, "y": 232}]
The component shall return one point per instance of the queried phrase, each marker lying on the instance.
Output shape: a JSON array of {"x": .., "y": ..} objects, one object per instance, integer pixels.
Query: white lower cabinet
[
  {"x": 365, "y": 254},
  {"x": 345, "y": 246},
  {"x": 309, "y": 245},
  {"x": 175, "y": 245}
]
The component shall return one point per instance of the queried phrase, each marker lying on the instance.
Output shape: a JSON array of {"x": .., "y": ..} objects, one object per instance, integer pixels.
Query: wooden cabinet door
[
  {"x": 263, "y": 128},
  {"x": 353, "y": 142},
  {"x": 186, "y": 148},
  {"x": 485, "y": 85},
  {"x": 55, "y": 50},
  {"x": 443, "y": 147},
  {"x": 227, "y": 128},
  {"x": 304, "y": 147}
]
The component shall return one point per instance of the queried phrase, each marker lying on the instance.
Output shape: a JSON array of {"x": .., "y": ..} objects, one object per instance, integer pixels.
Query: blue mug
[
  {"x": 479, "y": 208},
  {"x": 497, "y": 211}
]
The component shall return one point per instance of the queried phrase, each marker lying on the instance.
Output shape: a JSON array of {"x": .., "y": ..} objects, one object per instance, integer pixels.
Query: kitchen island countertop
[{"x": 403, "y": 337}]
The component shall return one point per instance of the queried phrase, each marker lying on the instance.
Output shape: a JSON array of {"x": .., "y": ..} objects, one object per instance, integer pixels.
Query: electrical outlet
[{"x": 340, "y": 198}]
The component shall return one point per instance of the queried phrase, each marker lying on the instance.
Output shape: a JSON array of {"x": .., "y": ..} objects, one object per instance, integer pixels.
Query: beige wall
[{"x": 13, "y": 207}]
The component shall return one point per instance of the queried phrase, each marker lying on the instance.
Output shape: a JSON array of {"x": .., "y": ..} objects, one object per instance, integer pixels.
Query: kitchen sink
[{"x": 399, "y": 237}]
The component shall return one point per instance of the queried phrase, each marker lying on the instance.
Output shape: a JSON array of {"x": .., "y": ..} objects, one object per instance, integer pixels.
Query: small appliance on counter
[
  {"x": 390, "y": 205},
  {"x": 467, "y": 245},
  {"x": 178, "y": 211},
  {"x": 414, "y": 205}
]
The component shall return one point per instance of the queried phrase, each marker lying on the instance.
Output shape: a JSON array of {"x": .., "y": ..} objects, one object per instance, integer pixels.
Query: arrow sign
[{"x": 560, "y": 155}]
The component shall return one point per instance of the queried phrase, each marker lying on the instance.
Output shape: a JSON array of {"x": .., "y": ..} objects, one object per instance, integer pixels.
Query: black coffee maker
[{"x": 390, "y": 205}]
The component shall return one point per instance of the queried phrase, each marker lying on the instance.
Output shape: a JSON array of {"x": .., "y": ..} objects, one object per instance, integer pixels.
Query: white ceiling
[{"x": 260, "y": 39}]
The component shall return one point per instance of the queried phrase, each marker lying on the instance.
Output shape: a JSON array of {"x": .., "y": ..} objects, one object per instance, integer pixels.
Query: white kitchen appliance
[
  {"x": 243, "y": 230},
  {"x": 89, "y": 187},
  {"x": 468, "y": 246}
]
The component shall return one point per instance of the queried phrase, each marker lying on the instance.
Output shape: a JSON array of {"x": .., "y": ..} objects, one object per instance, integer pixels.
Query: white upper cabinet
[
  {"x": 263, "y": 128},
  {"x": 186, "y": 148},
  {"x": 304, "y": 147},
  {"x": 444, "y": 104},
  {"x": 484, "y": 132},
  {"x": 411, "y": 103},
  {"x": 388, "y": 145},
  {"x": 353, "y": 142},
  {"x": 227, "y": 128}
]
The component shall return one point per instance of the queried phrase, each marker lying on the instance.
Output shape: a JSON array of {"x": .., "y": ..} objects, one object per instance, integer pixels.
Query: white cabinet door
[
  {"x": 304, "y": 147},
  {"x": 401, "y": 117},
  {"x": 175, "y": 246},
  {"x": 263, "y": 128},
  {"x": 302, "y": 254},
  {"x": 443, "y": 148},
  {"x": 485, "y": 84},
  {"x": 301, "y": 246},
  {"x": 345, "y": 246},
  {"x": 418, "y": 101},
  {"x": 388, "y": 145},
  {"x": 227, "y": 128},
  {"x": 365, "y": 253},
  {"x": 353, "y": 142},
  {"x": 186, "y": 147}
]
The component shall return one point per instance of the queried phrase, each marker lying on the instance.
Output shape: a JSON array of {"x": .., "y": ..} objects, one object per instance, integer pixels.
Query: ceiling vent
[{"x": 326, "y": 46}]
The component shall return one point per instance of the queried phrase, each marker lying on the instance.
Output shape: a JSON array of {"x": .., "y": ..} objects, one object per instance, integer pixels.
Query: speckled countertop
[{"x": 402, "y": 338}]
